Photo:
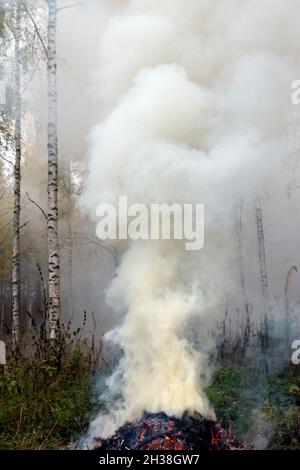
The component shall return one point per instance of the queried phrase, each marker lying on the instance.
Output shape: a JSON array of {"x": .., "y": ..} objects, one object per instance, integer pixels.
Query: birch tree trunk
[
  {"x": 2, "y": 305},
  {"x": 70, "y": 268},
  {"x": 70, "y": 241},
  {"x": 53, "y": 242},
  {"x": 292, "y": 269},
  {"x": 29, "y": 298},
  {"x": 17, "y": 189}
]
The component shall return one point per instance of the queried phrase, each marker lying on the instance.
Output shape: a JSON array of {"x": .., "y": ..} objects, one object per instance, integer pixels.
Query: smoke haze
[{"x": 193, "y": 104}]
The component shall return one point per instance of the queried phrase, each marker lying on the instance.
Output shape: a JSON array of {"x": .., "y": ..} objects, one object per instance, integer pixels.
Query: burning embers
[{"x": 160, "y": 432}]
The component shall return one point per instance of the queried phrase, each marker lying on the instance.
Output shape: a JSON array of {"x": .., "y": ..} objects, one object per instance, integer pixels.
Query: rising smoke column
[{"x": 195, "y": 103}]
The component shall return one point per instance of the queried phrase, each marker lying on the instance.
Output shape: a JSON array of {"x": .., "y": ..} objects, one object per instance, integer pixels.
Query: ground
[{"x": 261, "y": 408}]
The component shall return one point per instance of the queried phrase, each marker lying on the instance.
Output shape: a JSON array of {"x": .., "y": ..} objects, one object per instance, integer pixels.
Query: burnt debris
[{"x": 161, "y": 432}]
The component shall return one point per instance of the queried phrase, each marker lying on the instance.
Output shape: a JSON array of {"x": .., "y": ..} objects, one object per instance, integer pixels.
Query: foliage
[
  {"x": 257, "y": 405},
  {"x": 45, "y": 392}
]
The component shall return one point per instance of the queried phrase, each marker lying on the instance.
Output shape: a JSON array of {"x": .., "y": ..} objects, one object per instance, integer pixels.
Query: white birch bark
[
  {"x": 17, "y": 189},
  {"x": 53, "y": 242}
]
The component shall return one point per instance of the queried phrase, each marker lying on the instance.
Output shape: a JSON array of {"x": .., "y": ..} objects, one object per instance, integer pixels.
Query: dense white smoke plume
[{"x": 195, "y": 105}]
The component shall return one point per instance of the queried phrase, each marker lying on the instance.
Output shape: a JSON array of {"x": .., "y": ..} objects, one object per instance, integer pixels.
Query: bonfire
[{"x": 161, "y": 432}]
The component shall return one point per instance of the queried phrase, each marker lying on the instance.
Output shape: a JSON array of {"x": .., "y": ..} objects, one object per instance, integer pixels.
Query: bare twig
[
  {"x": 6, "y": 225},
  {"x": 35, "y": 28},
  {"x": 5, "y": 236},
  {"x": 6, "y": 159},
  {"x": 42, "y": 280},
  {"x": 24, "y": 225},
  {"x": 9, "y": 27},
  {"x": 39, "y": 207},
  {"x": 5, "y": 212},
  {"x": 47, "y": 436},
  {"x": 94, "y": 322},
  {"x": 91, "y": 241},
  {"x": 72, "y": 5}
]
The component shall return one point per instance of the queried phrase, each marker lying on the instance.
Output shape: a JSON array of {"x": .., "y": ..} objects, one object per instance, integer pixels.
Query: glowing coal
[{"x": 160, "y": 432}]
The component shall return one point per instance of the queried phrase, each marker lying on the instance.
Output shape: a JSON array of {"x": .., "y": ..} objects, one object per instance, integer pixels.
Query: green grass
[
  {"x": 45, "y": 404},
  {"x": 46, "y": 398},
  {"x": 253, "y": 404}
]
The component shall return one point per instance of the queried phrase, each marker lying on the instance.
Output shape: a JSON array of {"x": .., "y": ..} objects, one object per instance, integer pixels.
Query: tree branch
[
  {"x": 8, "y": 161},
  {"x": 39, "y": 207},
  {"x": 6, "y": 225},
  {"x": 91, "y": 241},
  {"x": 35, "y": 28},
  {"x": 72, "y": 5},
  {"x": 10, "y": 29},
  {"x": 24, "y": 225}
]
